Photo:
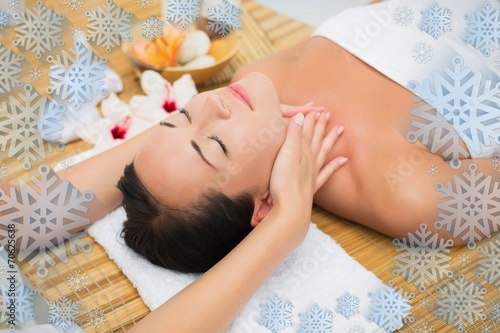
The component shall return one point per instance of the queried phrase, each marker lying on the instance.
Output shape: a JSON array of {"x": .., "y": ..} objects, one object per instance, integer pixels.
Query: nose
[{"x": 214, "y": 109}]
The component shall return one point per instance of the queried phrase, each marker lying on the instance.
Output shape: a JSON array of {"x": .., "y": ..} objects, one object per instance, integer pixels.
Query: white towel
[{"x": 318, "y": 272}]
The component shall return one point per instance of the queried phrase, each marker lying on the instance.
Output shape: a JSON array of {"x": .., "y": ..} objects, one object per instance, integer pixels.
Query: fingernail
[
  {"x": 342, "y": 161},
  {"x": 318, "y": 114},
  {"x": 299, "y": 119},
  {"x": 340, "y": 130},
  {"x": 328, "y": 116},
  {"x": 309, "y": 104}
]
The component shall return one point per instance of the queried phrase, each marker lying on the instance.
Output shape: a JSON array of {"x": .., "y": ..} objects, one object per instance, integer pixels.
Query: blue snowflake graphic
[
  {"x": 38, "y": 29},
  {"x": 415, "y": 254},
  {"x": 23, "y": 299},
  {"x": 436, "y": 21},
  {"x": 460, "y": 302},
  {"x": 348, "y": 305},
  {"x": 497, "y": 62},
  {"x": 316, "y": 320},
  {"x": 44, "y": 216},
  {"x": 224, "y": 18},
  {"x": 422, "y": 52},
  {"x": 4, "y": 19},
  {"x": 63, "y": 312},
  {"x": 483, "y": 29},
  {"x": 22, "y": 119},
  {"x": 403, "y": 15},
  {"x": 183, "y": 12},
  {"x": 471, "y": 106},
  {"x": 495, "y": 313},
  {"x": 357, "y": 329},
  {"x": 152, "y": 27},
  {"x": 10, "y": 69},
  {"x": 471, "y": 206},
  {"x": 276, "y": 314},
  {"x": 388, "y": 309},
  {"x": 489, "y": 262},
  {"x": 77, "y": 77},
  {"x": 109, "y": 25}
]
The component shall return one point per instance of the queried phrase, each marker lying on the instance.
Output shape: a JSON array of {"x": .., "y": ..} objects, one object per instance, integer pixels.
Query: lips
[{"x": 241, "y": 93}]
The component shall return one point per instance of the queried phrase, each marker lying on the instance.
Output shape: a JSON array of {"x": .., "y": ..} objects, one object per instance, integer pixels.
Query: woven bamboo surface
[{"x": 106, "y": 288}]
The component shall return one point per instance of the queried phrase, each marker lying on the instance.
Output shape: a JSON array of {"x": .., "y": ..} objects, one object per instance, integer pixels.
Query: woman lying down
[{"x": 226, "y": 184}]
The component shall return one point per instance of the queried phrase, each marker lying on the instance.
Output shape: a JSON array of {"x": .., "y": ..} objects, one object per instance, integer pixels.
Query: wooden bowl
[{"x": 222, "y": 49}]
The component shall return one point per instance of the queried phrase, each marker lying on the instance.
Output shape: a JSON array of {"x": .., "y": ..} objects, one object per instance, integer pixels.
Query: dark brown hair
[{"x": 189, "y": 240}]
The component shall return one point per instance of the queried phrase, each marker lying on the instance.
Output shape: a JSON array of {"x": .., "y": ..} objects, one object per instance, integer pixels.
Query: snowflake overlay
[
  {"x": 38, "y": 29},
  {"x": 35, "y": 73},
  {"x": 357, "y": 329},
  {"x": 44, "y": 217},
  {"x": 183, "y": 12},
  {"x": 152, "y": 27},
  {"x": 97, "y": 317},
  {"x": 14, "y": 4},
  {"x": 473, "y": 113},
  {"x": 423, "y": 257},
  {"x": 403, "y": 15},
  {"x": 483, "y": 29},
  {"x": 143, "y": 3},
  {"x": 77, "y": 281},
  {"x": 472, "y": 207},
  {"x": 75, "y": 31},
  {"x": 496, "y": 163},
  {"x": 464, "y": 260},
  {"x": 422, "y": 52},
  {"x": 224, "y": 18},
  {"x": 348, "y": 305},
  {"x": 424, "y": 303},
  {"x": 63, "y": 312},
  {"x": 3, "y": 170},
  {"x": 21, "y": 120},
  {"x": 497, "y": 62},
  {"x": 436, "y": 21},
  {"x": 3, "y": 271},
  {"x": 316, "y": 320},
  {"x": 425, "y": 328},
  {"x": 433, "y": 170},
  {"x": 495, "y": 313},
  {"x": 23, "y": 299},
  {"x": 10, "y": 69},
  {"x": 276, "y": 314},
  {"x": 74, "y": 4},
  {"x": 108, "y": 26},
  {"x": 489, "y": 262},
  {"x": 77, "y": 77},
  {"x": 388, "y": 309},
  {"x": 460, "y": 302},
  {"x": 4, "y": 19}
]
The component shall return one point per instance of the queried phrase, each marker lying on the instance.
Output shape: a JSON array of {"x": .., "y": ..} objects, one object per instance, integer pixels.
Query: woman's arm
[{"x": 212, "y": 302}]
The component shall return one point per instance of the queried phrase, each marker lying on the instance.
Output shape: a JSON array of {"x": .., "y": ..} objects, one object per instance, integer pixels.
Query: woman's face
[{"x": 226, "y": 139}]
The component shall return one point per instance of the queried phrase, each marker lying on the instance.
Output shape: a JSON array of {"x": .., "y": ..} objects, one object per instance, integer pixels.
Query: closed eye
[{"x": 222, "y": 145}]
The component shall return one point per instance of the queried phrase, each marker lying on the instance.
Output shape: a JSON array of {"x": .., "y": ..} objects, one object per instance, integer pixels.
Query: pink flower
[{"x": 120, "y": 129}]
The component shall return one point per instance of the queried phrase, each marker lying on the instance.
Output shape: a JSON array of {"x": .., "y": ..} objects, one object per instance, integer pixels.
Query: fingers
[
  {"x": 327, "y": 144},
  {"x": 328, "y": 170},
  {"x": 292, "y": 110},
  {"x": 294, "y": 137}
]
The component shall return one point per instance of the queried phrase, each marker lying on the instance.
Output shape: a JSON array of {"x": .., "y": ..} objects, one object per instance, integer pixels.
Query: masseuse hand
[
  {"x": 300, "y": 169},
  {"x": 288, "y": 111}
]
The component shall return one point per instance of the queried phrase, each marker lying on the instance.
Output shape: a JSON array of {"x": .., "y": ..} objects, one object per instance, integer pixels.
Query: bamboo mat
[{"x": 109, "y": 302}]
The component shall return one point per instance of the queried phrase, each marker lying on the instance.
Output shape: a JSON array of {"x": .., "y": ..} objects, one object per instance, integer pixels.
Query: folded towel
[{"x": 319, "y": 272}]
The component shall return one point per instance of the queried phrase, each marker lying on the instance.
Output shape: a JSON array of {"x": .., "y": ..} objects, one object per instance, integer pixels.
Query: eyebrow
[{"x": 198, "y": 150}]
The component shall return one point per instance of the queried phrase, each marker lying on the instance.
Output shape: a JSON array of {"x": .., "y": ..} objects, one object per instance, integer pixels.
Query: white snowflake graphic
[
  {"x": 487, "y": 329},
  {"x": 433, "y": 170},
  {"x": 409, "y": 296},
  {"x": 74, "y": 4},
  {"x": 496, "y": 163},
  {"x": 357, "y": 329},
  {"x": 14, "y": 4},
  {"x": 3, "y": 271},
  {"x": 348, "y": 305},
  {"x": 423, "y": 257},
  {"x": 495, "y": 313},
  {"x": 39, "y": 29},
  {"x": 403, "y": 15},
  {"x": 436, "y": 21},
  {"x": 77, "y": 76},
  {"x": 109, "y": 25},
  {"x": 422, "y": 52},
  {"x": 424, "y": 303},
  {"x": 35, "y": 73},
  {"x": 316, "y": 320},
  {"x": 388, "y": 309},
  {"x": 471, "y": 106},
  {"x": 497, "y": 62},
  {"x": 489, "y": 262},
  {"x": 143, "y": 3},
  {"x": 464, "y": 260},
  {"x": 67, "y": 162},
  {"x": 77, "y": 281},
  {"x": 460, "y": 302},
  {"x": 183, "y": 12},
  {"x": 23, "y": 299},
  {"x": 97, "y": 317},
  {"x": 21, "y": 119},
  {"x": 224, "y": 18},
  {"x": 75, "y": 30},
  {"x": 276, "y": 314},
  {"x": 63, "y": 312},
  {"x": 10, "y": 69},
  {"x": 152, "y": 27},
  {"x": 44, "y": 216},
  {"x": 425, "y": 328},
  {"x": 471, "y": 206},
  {"x": 483, "y": 29},
  {"x": 3, "y": 170},
  {"x": 4, "y": 19}
]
